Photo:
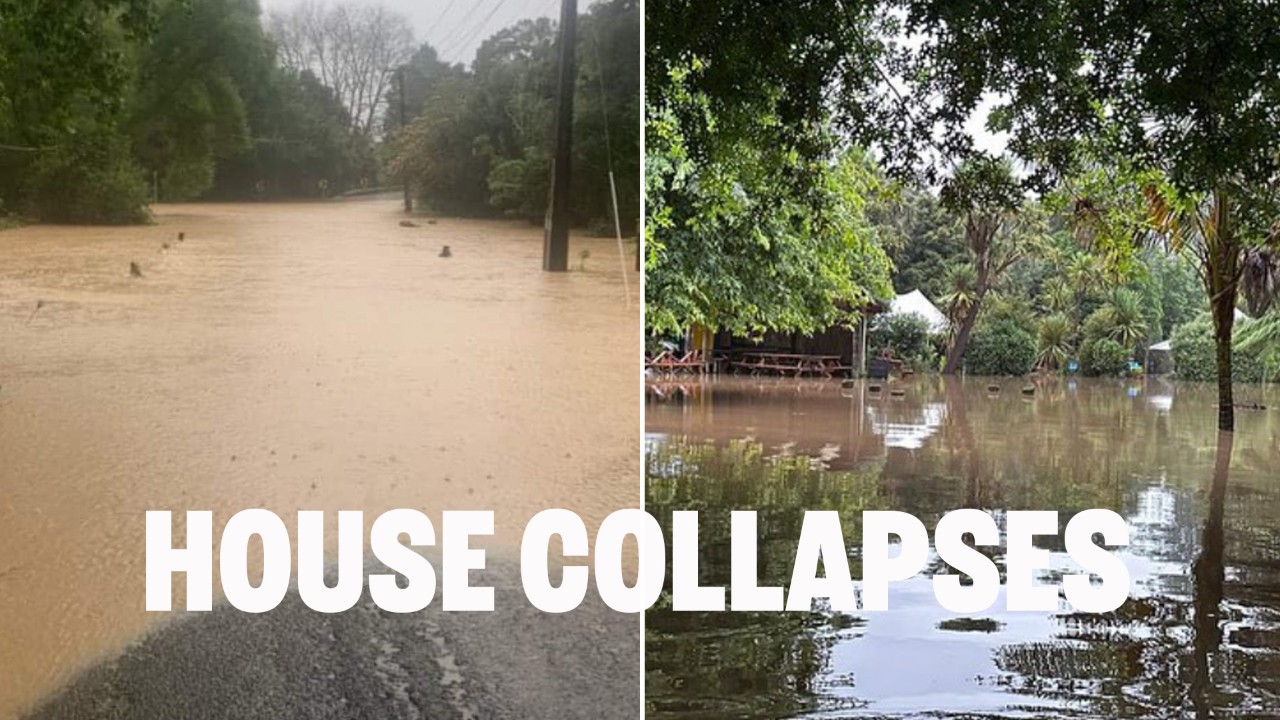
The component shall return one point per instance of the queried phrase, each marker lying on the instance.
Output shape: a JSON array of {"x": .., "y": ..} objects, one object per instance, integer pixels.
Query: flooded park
[
  {"x": 319, "y": 356},
  {"x": 1199, "y": 636}
]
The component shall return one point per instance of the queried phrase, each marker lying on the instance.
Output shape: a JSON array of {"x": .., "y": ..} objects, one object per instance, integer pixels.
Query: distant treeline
[
  {"x": 479, "y": 139},
  {"x": 107, "y": 104}
]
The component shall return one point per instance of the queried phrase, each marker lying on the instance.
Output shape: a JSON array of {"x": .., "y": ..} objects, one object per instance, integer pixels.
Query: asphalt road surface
[{"x": 292, "y": 662}]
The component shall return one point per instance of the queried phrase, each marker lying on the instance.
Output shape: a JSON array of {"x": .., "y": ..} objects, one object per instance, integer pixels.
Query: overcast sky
[{"x": 454, "y": 27}]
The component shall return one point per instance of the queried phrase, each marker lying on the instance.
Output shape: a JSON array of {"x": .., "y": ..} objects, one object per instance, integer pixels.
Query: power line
[
  {"x": 480, "y": 29},
  {"x": 440, "y": 20},
  {"x": 447, "y": 8},
  {"x": 608, "y": 159},
  {"x": 455, "y": 44}
]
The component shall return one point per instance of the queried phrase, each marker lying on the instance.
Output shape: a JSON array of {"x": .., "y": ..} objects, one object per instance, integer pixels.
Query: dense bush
[
  {"x": 89, "y": 180},
  {"x": 1000, "y": 348},
  {"x": 1195, "y": 355},
  {"x": 1260, "y": 339},
  {"x": 1054, "y": 338},
  {"x": 1104, "y": 357},
  {"x": 906, "y": 336},
  {"x": 1096, "y": 326}
]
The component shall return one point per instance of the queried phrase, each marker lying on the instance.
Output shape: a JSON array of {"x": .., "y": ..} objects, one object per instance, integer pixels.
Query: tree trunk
[
  {"x": 955, "y": 356},
  {"x": 979, "y": 233},
  {"x": 1222, "y": 277},
  {"x": 1224, "y": 315}
]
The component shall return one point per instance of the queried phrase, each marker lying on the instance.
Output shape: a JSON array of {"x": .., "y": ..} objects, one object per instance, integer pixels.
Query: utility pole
[
  {"x": 408, "y": 201},
  {"x": 555, "y": 249}
]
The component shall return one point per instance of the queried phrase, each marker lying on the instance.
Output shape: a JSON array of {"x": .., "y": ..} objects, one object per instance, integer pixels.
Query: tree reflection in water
[{"x": 1199, "y": 637}]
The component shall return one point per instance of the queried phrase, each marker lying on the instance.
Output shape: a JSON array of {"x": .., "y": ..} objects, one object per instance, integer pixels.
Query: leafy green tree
[
  {"x": 1182, "y": 102},
  {"x": 1125, "y": 317},
  {"x": 607, "y": 113},
  {"x": 419, "y": 78},
  {"x": 924, "y": 241},
  {"x": 984, "y": 192},
  {"x": 728, "y": 250},
  {"x": 907, "y": 337},
  {"x": 300, "y": 143},
  {"x": 750, "y": 225},
  {"x": 961, "y": 293},
  {"x": 479, "y": 141},
  {"x": 86, "y": 178},
  {"x": 440, "y": 154},
  {"x": 514, "y": 109},
  {"x": 189, "y": 112},
  {"x": 64, "y": 75},
  {"x": 1170, "y": 291}
]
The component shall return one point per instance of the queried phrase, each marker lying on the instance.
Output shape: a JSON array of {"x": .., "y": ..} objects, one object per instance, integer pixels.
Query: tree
[
  {"x": 1260, "y": 340},
  {"x": 353, "y": 49},
  {"x": 1124, "y": 316},
  {"x": 747, "y": 228},
  {"x": 728, "y": 249},
  {"x": 1186, "y": 96},
  {"x": 64, "y": 76},
  {"x": 1054, "y": 338},
  {"x": 514, "y": 110},
  {"x": 189, "y": 111},
  {"x": 440, "y": 154},
  {"x": 607, "y": 112},
  {"x": 423, "y": 72},
  {"x": 299, "y": 143},
  {"x": 984, "y": 192},
  {"x": 479, "y": 142},
  {"x": 924, "y": 241}
]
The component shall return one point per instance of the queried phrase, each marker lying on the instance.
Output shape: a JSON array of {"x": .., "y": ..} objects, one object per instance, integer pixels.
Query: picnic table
[
  {"x": 783, "y": 363},
  {"x": 669, "y": 363}
]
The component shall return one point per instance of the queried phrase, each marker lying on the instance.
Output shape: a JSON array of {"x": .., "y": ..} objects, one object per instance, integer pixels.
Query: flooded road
[
  {"x": 1199, "y": 637},
  {"x": 304, "y": 356}
]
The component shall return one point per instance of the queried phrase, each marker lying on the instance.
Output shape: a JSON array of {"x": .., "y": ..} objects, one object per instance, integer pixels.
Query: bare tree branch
[{"x": 352, "y": 49}]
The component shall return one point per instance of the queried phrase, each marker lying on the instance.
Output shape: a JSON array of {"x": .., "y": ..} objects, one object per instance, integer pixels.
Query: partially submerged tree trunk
[
  {"x": 960, "y": 344},
  {"x": 1222, "y": 255},
  {"x": 979, "y": 234}
]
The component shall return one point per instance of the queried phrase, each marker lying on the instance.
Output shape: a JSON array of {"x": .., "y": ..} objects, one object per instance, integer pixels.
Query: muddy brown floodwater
[
  {"x": 1198, "y": 637},
  {"x": 299, "y": 356}
]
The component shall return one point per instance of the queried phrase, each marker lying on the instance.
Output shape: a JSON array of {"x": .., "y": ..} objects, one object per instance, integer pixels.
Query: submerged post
[{"x": 555, "y": 249}]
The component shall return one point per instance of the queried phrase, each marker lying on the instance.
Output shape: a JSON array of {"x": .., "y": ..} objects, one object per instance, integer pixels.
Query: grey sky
[{"x": 454, "y": 27}]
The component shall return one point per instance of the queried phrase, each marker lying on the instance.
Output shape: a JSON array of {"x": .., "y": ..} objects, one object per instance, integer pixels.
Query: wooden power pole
[
  {"x": 408, "y": 200},
  {"x": 555, "y": 249}
]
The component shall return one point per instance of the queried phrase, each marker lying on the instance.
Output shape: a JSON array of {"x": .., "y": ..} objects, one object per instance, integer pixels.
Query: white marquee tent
[{"x": 915, "y": 303}]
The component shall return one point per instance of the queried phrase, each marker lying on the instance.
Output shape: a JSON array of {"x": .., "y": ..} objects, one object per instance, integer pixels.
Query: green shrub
[
  {"x": 1260, "y": 338},
  {"x": 7, "y": 220},
  {"x": 519, "y": 186},
  {"x": 1001, "y": 348},
  {"x": 1104, "y": 358},
  {"x": 90, "y": 180},
  {"x": 907, "y": 336},
  {"x": 1096, "y": 326},
  {"x": 1054, "y": 339},
  {"x": 1195, "y": 354}
]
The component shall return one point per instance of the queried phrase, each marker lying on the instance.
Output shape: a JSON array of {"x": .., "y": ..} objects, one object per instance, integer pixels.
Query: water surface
[
  {"x": 1199, "y": 637},
  {"x": 310, "y": 356}
]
